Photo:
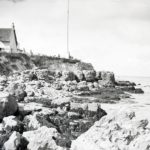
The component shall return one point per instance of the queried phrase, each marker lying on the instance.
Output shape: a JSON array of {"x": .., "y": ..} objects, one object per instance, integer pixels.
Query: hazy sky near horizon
[{"x": 111, "y": 34}]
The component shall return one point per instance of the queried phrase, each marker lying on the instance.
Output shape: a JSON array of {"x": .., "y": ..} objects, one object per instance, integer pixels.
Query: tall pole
[{"x": 68, "y": 29}]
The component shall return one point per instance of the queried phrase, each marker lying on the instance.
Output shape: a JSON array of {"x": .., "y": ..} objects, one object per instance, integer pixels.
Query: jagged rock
[
  {"x": 90, "y": 75},
  {"x": 42, "y": 138},
  {"x": 32, "y": 122},
  {"x": 90, "y": 85},
  {"x": 68, "y": 76},
  {"x": 10, "y": 122},
  {"x": 58, "y": 74},
  {"x": 3, "y": 80},
  {"x": 57, "y": 86},
  {"x": 18, "y": 90},
  {"x": 80, "y": 75},
  {"x": 32, "y": 76},
  {"x": 8, "y": 105},
  {"x": 108, "y": 76},
  {"x": 98, "y": 75},
  {"x": 15, "y": 142},
  {"x": 119, "y": 130},
  {"x": 82, "y": 86}
]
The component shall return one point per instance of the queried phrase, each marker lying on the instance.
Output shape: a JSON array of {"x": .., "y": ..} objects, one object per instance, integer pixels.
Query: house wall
[
  {"x": 13, "y": 44},
  {"x": 7, "y": 47}
]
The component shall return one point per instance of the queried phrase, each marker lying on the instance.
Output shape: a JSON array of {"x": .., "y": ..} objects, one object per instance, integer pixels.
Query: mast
[{"x": 68, "y": 29}]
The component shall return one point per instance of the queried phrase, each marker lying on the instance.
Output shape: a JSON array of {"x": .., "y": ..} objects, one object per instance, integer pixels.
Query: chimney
[{"x": 13, "y": 26}]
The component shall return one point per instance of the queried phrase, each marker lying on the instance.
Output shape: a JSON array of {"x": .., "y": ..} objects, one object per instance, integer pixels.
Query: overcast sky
[{"x": 111, "y": 34}]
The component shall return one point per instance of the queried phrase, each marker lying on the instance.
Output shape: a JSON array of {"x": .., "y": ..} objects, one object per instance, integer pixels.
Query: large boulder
[
  {"x": 108, "y": 76},
  {"x": 90, "y": 75},
  {"x": 68, "y": 76},
  {"x": 42, "y": 138},
  {"x": 80, "y": 75},
  {"x": 18, "y": 90},
  {"x": 116, "y": 131},
  {"x": 8, "y": 105}
]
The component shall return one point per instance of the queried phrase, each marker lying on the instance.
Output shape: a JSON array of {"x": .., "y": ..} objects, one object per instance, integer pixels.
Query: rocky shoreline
[{"x": 47, "y": 110}]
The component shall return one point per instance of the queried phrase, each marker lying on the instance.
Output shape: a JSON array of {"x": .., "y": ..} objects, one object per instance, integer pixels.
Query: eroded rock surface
[{"x": 118, "y": 131}]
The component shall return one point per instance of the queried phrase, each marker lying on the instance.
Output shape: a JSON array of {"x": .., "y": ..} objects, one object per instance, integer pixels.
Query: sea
[{"x": 139, "y": 103}]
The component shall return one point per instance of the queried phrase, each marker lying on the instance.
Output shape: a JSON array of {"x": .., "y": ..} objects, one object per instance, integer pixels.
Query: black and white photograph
[{"x": 74, "y": 74}]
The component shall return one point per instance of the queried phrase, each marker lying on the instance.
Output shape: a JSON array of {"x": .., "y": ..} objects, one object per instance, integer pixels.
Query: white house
[{"x": 8, "y": 40}]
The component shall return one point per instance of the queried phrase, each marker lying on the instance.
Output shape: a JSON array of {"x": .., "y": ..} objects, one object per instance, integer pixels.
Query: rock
[
  {"x": 138, "y": 91},
  {"x": 73, "y": 115},
  {"x": 82, "y": 86},
  {"x": 61, "y": 101},
  {"x": 80, "y": 75},
  {"x": 30, "y": 93},
  {"x": 98, "y": 75},
  {"x": 32, "y": 122},
  {"x": 18, "y": 90},
  {"x": 90, "y": 75},
  {"x": 45, "y": 74},
  {"x": 68, "y": 76},
  {"x": 125, "y": 83},
  {"x": 3, "y": 80},
  {"x": 57, "y": 86},
  {"x": 116, "y": 131},
  {"x": 105, "y": 83},
  {"x": 15, "y": 142},
  {"x": 108, "y": 76},
  {"x": 42, "y": 138},
  {"x": 90, "y": 85},
  {"x": 32, "y": 76},
  {"x": 20, "y": 94},
  {"x": 10, "y": 122},
  {"x": 58, "y": 74},
  {"x": 8, "y": 105}
]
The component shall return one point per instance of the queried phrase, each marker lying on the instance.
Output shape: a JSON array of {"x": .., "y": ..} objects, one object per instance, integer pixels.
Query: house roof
[{"x": 5, "y": 34}]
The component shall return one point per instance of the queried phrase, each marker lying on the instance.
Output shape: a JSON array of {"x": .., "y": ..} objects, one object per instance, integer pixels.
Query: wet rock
[
  {"x": 8, "y": 105},
  {"x": 125, "y": 83},
  {"x": 90, "y": 75},
  {"x": 138, "y": 91}
]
